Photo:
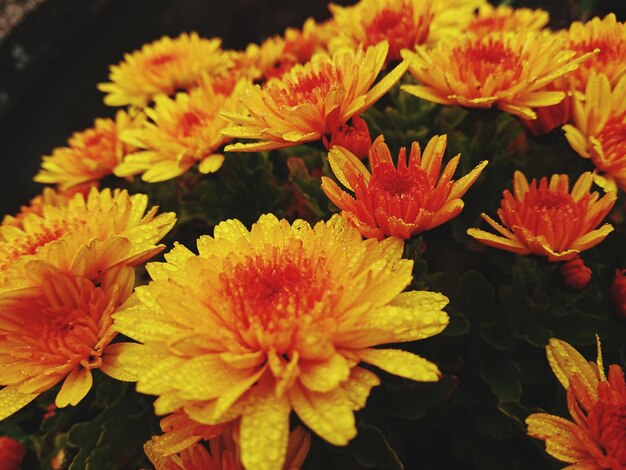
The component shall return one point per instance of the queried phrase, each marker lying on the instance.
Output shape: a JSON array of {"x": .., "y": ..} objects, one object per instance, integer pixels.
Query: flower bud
[
  {"x": 618, "y": 293},
  {"x": 575, "y": 274},
  {"x": 11, "y": 453},
  {"x": 355, "y": 137}
]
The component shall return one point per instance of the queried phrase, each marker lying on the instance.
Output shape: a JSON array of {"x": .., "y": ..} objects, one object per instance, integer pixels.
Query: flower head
[
  {"x": 403, "y": 24},
  {"x": 507, "y": 70},
  {"x": 547, "y": 219},
  {"x": 599, "y": 127},
  {"x": 12, "y": 453},
  {"x": 398, "y": 201},
  {"x": 354, "y": 137},
  {"x": 276, "y": 319},
  {"x": 48, "y": 197},
  {"x": 596, "y": 438},
  {"x": 55, "y": 328},
  {"x": 312, "y": 100},
  {"x": 163, "y": 67},
  {"x": 608, "y": 37},
  {"x": 489, "y": 19},
  {"x": 182, "y": 132},
  {"x": 90, "y": 155}
]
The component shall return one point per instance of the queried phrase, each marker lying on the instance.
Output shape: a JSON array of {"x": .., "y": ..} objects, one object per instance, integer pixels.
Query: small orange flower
[
  {"x": 596, "y": 438},
  {"x": 163, "y": 67},
  {"x": 91, "y": 154},
  {"x": 354, "y": 137},
  {"x": 402, "y": 23},
  {"x": 608, "y": 37},
  {"x": 548, "y": 220},
  {"x": 575, "y": 274},
  {"x": 599, "y": 125},
  {"x": 12, "y": 453},
  {"x": 311, "y": 100},
  {"x": 402, "y": 201},
  {"x": 489, "y": 19},
  {"x": 507, "y": 70},
  {"x": 182, "y": 132}
]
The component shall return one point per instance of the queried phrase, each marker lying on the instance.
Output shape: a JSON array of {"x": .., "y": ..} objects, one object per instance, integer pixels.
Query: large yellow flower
[
  {"x": 402, "y": 201},
  {"x": 90, "y": 229},
  {"x": 163, "y": 67},
  {"x": 404, "y": 24},
  {"x": 489, "y": 19},
  {"x": 183, "y": 131},
  {"x": 276, "y": 319},
  {"x": 547, "y": 219},
  {"x": 507, "y": 70},
  {"x": 312, "y": 100},
  {"x": 48, "y": 197},
  {"x": 596, "y": 438},
  {"x": 91, "y": 154},
  {"x": 608, "y": 37},
  {"x": 599, "y": 127}
]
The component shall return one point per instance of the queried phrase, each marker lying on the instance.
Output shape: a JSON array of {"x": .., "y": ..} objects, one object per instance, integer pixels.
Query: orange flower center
[
  {"x": 486, "y": 24},
  {"x": 307, "y": 87},
  {"x": 607, "y": 425},
  {"x": 613, "y": 140},
  {"x": 477, "y": 60},
  {"x": 611, "y": 50},
  {"x": 398, "y": 28},
  {"x": 191, "y": 121},
  {"x": 161, "y": 59},
  {"x": 411, "y": 183}
]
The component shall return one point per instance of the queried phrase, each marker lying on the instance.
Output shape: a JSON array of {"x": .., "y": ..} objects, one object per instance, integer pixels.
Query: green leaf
[
  {"x": 371, "y": 449},
  {"x": 502, "y": 375},
  {"x": 479, "y": 295}
]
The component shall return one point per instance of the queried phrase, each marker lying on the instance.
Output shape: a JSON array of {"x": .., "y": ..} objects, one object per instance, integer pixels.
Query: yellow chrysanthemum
[
  {"x": 595, "y": 439},
  {"x": 48, "y": 197},
  {"x": 599, "y": 126},
  {"x": 451, "y": 17},
  {"x": 180, "y": 447},
  {"x": 312, "y": 100},
  {"x": 506, "y": 70},
  {"x": 90, "y": 229},
  {"x": 606, "y": 35},
  {"x": 91, "y": 154},
  {"x": 403, "y": 24},
  {"x": 182, "y": 132},
  {"x": 163, "y": 67},
  {"x": 489, "y": 19},
  {"x": 57, "y": 327},
  {"x": 276, "y": 319}
]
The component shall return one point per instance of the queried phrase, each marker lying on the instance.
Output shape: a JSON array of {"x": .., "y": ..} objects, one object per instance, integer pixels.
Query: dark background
[{"x": 51, "y": 60}]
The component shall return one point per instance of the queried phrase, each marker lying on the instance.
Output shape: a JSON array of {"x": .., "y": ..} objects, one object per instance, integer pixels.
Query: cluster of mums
[{"x": 280, "y": 318}]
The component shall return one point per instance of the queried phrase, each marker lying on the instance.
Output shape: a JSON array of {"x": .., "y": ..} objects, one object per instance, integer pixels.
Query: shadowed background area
[{"x": 53, "y": 53}]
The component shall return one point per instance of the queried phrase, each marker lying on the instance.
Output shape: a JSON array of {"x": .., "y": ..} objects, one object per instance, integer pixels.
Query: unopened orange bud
[
  {"x": 618, "y": 293},
  {"x": 11, "y": 453},
  {"x": 575, "y": 274},
  {"x": 355, "y": 137}
]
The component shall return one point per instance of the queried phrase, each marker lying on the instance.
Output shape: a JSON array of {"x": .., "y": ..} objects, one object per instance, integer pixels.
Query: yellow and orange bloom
[
  {"x": 57, "y": 327},
  {"x": 172, "y": 451},
  {"x": 402, "y": 201},
  {"x": 354, "y": 137},
  {"x": 311, "y": 100},
  {"x": 607, "y": 36},
  {"x": 12, "y": 453},
  {"x": 48, "y": 197},
  {"x": 507, "y": 70},
  {"x": 547, "y": 219},
  {"x": 162, "y": 68},
  {"x": 403, "y": 24},
  {"x": 595, "y": 439},
  {"x": 489, "y": 19},
  {"x": 451, "y": 18},
  {"x": 93, "y": 233},
  {"x": 90, "y": 155},
  {"x": 182, "y": 132},
  {"x": 598, "y": 126},
  {"x": 275, "y": 319}
]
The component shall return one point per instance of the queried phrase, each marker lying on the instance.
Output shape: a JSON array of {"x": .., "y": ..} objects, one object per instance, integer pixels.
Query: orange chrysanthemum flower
[
  {"x": 86, "y": 231},
  {"x": 57, "y": 327},
  {"x": 275, "y": 319},
  {"x": 596, "y": 438},
  {"x": 48, "y": 197},
  {"x": 608, "y": 37},
  {"x": 402, "y": 201},
  {"x": 548, "y": 220},
  {"x": 91, "y": 155},
  {"x": 182, "y": 132},
  {"x": 599, "y": 126},
  {"x": 507, "y": 70},
  {"x": 12, "y": 453},
  {"x": 180, "y": 447},
  {"x": 403, "y": 24},
  {"x": 312, "y": 100},
  {"x": 163, "y": 67},
  {"x": 489, "y": 19}
]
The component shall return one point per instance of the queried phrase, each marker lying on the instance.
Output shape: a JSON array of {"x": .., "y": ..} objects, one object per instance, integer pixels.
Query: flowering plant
[{"x": 287, "y": 256}]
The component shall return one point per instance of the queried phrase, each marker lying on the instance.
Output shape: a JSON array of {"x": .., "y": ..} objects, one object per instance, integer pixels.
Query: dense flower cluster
[{"x": 269, "y": 341}]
